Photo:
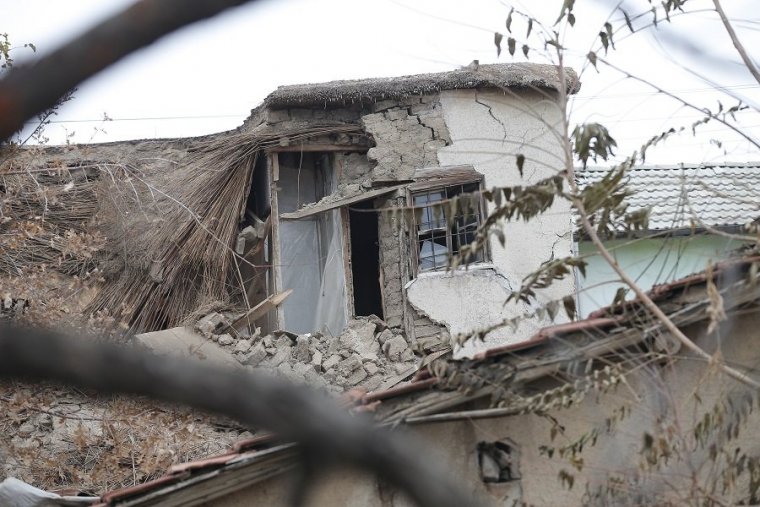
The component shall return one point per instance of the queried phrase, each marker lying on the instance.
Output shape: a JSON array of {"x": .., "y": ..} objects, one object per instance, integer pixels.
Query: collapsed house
[
  {"x": 319, "y": 209},
  {"x": 287, "y": 243}
]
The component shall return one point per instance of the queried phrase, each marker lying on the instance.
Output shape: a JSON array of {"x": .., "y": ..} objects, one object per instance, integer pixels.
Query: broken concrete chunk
[
  {"x": 371, "y": 368},
  {"x": 394, "y": 348},
  {"x": 256, "y": 355},
  {"x": 384, "y": 336},
  {"x": 348, "y": 365},
  {"x": 348, "y": 339},
  {"x": 331, "y": 362},
  {"x": 316, "y": 359},
  {"x": 210, "y": 323},
  {"x": 405, "y": 368},
  {"x": 283, "y": 341},
  {"x": 357, "y": 376},
  {"x": 369, "y": 356},
  {"x": 302, "y": 353},
  {"x": 268, "y": 341},
  {"x": 283, "y": 354},
  {"x": 407, "y": 355},
  {"x": 225, "y": 339},
  {"x": 242, "y": 346},
  {"x": 373, "y": 382},
  {"x": 334, "y": 347},
  {"x": 380, "y": 324}
]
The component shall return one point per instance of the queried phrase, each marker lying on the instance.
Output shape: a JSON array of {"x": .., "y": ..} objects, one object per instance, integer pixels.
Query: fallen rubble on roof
[
  {"x": 368, "y": 354},
  {"x": 492, "y": 385}
]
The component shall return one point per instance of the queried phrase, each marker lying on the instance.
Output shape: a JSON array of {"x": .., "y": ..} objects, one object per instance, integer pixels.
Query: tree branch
[
  {"x": 28, "y": 90},
  {"x": 751, "y": 67},
  {"x": 327, "y": 433}
]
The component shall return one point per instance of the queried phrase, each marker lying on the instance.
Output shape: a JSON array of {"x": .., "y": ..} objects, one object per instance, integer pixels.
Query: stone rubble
[{"x": 366, "y": 354}]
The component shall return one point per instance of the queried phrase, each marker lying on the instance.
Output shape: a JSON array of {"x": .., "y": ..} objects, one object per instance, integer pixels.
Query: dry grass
[{"x": 192, "y": 243}]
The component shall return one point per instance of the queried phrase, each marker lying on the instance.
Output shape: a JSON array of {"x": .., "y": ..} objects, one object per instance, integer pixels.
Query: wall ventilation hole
[{"x": 497, "y": 461}]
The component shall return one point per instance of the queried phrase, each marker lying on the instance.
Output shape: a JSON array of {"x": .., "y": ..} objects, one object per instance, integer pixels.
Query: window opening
[{"x": 440, "y": 235}]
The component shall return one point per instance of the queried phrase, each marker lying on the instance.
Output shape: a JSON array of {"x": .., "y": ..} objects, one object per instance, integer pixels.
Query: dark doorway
[{"x": 365, "y": 259}]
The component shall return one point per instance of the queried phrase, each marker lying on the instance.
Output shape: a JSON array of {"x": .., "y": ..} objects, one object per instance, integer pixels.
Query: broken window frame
[{"x": 442, "y": 186}]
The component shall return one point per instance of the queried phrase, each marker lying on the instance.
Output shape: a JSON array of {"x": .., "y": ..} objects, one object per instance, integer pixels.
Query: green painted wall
[{"x": 650, "y": 261}]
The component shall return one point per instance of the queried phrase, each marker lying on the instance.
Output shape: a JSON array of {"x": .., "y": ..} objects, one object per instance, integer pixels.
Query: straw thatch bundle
[
  {"x": 180, "y": 250},
  {"x": 43, "y": 221}
]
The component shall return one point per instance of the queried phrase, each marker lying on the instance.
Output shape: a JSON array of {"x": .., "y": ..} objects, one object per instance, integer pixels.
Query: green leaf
[
  {"x": 569, "y": 303},
  {"x": 605, "y": 41},
  {"x": 608, "y": 29},
  {"x": 511, "y": 45},
  {"x": 520, "y": 163},
  {"x": 619, "y": 296},
  {"x": 592, "y": 58},
  {"x": 567, "y": 8},
  {"x": 497, "y": 37}
]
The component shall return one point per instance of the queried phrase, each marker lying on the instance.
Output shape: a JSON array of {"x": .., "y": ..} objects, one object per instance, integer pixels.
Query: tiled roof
[{"x": 720, "y": 195}]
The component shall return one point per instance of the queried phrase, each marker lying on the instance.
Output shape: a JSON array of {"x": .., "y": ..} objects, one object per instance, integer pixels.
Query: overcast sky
[{"x": 208, "y": 77}]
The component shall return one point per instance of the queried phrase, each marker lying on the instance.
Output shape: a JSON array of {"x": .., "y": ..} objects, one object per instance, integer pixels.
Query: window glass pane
[
  {"x": 434, "y": 253},
  {"x": 431, "y": 218},
  {"x": 437, "y": 241}
]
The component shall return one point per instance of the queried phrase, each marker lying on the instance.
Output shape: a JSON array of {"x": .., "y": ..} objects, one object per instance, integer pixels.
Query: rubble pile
[
  {"x": 11, "y": 307},
  {"x": 367, "y": 354}
]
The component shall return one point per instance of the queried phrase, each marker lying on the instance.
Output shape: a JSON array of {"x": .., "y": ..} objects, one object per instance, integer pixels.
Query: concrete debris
[
  {"x": 367, "y": 354},
  {"x": 225, "y": 340},
  {"x": 183, "y": 342},
  {"x": 12, "y": 307},
  {"x": 210, "y": 323},
  {"x": 394, "y": 348}
]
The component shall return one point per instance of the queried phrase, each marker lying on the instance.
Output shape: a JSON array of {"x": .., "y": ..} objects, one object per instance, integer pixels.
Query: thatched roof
[{"x": 513, "y": 75}]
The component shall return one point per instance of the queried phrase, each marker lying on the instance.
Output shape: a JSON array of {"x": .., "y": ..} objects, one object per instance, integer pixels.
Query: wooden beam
[
  {"x": 260, "y": 310},
  {"x": 337, "y": 203},
  {"x": 275, "y": 260},
  {"x": 318, "y": 147}
]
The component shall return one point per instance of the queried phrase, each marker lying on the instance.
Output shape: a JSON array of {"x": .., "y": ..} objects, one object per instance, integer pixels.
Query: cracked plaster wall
[
  {"x": 407, "y": 136},
  {"x": 487, "y": 129}
]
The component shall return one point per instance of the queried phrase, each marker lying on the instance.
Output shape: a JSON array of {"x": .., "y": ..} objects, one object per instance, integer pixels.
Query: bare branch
[
  {"x": 327, "y": 434},
  {"x": 751, "y": 67},
  {"x": 28, "y": 90}
]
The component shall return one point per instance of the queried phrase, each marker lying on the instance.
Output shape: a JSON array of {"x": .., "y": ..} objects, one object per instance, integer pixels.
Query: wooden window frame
[{"x": 439, "y": 184}]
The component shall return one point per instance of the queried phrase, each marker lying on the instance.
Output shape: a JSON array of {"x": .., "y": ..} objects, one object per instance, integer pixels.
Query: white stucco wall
[{"x": 488, "y": 129}]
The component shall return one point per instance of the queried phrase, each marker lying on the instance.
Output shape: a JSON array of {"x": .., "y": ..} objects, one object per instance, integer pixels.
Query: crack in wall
[{"x": 490, "y": 113}]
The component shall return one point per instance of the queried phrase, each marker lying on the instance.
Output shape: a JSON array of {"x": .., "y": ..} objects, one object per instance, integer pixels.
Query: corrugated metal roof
[{"x": 719, "y": 195}]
